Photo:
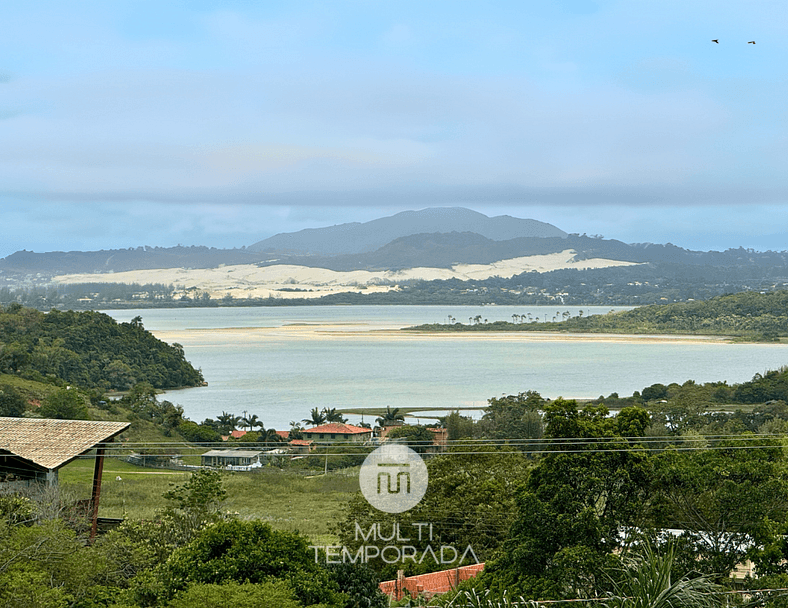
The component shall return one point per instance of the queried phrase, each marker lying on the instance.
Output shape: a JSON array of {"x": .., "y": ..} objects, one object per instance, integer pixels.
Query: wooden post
[
  {"x": 400, "y": 586},
  {"x": 98, "y": 468}
]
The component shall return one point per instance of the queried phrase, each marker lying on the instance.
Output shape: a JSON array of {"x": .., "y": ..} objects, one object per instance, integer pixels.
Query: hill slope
[{"x": 89, "y": 349}]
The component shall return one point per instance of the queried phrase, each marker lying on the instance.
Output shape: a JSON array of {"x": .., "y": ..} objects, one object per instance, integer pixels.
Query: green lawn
[{"x": 287, "y": 500}]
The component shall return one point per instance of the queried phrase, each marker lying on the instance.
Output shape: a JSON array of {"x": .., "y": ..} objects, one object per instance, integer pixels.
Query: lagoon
[{"x": 280, "y": 362}]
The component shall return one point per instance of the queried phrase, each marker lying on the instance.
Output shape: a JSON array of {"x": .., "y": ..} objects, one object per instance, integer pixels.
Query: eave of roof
[
  {"x": 50, "y": 443},
  {"x": 339, "y": 429}
]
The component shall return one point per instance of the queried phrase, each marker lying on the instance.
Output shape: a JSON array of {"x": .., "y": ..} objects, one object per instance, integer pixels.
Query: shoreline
[{"x": 345, "y": 331}]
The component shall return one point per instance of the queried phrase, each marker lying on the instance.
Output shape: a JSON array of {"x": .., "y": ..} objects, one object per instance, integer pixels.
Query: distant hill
[
  {"x": 119, "y": 260},
  {"x": 433, "y": 250},
  {"x": 370, "y": 236},
  {"x": 440, "y": 250}
]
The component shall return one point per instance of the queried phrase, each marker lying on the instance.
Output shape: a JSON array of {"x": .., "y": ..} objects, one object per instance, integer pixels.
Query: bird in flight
[
  {"x": 751, "y": 42},
  {"x": 717, "y": 41}
]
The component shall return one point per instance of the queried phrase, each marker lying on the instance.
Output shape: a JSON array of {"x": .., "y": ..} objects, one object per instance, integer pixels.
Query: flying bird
[
  {"x": 751, "y": 42},
  {"x": 717, "y": 41}
]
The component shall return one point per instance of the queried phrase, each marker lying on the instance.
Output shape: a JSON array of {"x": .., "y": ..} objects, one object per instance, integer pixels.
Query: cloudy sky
[{"x": 221, "y": 123}]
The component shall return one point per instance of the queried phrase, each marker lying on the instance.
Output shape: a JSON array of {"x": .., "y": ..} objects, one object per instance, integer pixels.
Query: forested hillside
[{"x": 89, "y": 349}]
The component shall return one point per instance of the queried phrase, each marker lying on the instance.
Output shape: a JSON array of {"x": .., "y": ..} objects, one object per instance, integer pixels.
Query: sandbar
[{"x": 349, "y": 331}]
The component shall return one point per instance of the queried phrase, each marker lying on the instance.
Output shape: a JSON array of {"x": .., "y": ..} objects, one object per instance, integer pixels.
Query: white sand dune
[{"x": 248, "y": 280}]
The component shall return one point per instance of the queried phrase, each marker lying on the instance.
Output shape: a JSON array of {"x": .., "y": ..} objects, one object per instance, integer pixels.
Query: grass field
[{"x": 287, "y": 500}]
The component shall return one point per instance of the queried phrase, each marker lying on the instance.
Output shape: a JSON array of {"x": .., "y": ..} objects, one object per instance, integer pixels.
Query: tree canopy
[{"x": 89, "y": 349}]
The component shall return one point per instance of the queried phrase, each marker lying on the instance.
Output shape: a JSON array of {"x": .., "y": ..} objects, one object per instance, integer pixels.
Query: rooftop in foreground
[{"x": 51, "y": 443}]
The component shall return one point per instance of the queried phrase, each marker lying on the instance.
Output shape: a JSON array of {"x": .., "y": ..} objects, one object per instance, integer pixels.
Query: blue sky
[{"x": 222, "y": 123}]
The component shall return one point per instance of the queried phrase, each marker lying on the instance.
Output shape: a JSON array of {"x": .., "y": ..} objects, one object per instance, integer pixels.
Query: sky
[{"x": 222, "y": 123}]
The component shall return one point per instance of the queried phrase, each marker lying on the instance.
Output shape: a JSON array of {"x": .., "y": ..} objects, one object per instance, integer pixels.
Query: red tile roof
[
  {"x": 52, "y": 443},
  {"x": 338, "y": 429},
  {"x": 283, "y": 434},
  {"x": 237, "y": 434},
  {"x": 300, "y": 442}
]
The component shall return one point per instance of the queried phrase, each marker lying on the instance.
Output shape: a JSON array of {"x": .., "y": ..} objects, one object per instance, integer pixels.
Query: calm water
[{"x": 280, "y": 362}]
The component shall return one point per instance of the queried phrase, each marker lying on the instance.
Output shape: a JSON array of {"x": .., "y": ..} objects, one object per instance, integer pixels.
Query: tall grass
[{"x": 287, "y": 500}]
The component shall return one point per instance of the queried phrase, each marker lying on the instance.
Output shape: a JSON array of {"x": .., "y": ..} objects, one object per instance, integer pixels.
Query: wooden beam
[{"x": 98, "y": 468}]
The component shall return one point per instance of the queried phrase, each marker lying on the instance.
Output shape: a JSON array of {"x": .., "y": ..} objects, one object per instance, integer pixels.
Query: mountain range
[
  {"x": 435, "y": 238},
  {"x": 370, "y": 236}
]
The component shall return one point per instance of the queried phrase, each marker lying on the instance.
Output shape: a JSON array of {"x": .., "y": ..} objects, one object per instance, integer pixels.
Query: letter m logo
[{"x": 394, "y": 481}]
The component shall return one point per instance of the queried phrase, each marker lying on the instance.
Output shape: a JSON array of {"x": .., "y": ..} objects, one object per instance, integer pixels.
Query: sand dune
[{"x": 248, "y": 280}]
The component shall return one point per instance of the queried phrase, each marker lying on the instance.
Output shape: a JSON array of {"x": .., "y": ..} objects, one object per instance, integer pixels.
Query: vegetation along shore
[{"x": 747, "y": 315}]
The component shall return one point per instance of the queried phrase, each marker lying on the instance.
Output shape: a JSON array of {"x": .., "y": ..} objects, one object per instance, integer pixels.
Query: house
[
  {"x": 334, "y": 431},
  {"x": 300, "y": 446},
  {"x": 227, "y": 458},
  {"x": 388, "y": 427},
  {"x": 32, "y": 450},
  {"x": 235, "y": 434},
  {"x": 440, "y": 439}
]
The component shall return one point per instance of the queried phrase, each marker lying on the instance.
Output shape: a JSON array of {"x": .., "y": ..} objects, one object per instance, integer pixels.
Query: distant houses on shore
[{"x": 246, "y": 458}]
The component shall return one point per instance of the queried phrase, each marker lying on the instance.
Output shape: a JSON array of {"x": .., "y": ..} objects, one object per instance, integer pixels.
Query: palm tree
[
  {"x": 332, "y": 415},
  {"x": 317, "y": 418},
  {"x": 228, "y": 422},
  {"x": 390, "y": 416},
  {"x": 268, "y": 435},
  {"x": 646, "y": 582},
  {"x": 296, "y": 430},
  {"x": 251, "y": 422}
]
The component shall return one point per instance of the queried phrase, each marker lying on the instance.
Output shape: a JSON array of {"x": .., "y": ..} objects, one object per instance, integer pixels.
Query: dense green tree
[
  {"x": 12, "y": 404},
  {"x": 570, "y": 513},
  {"x": 142, "y": 399},
  {"x": 418, "y": 438},
  {"x": 201, "y": 494},
  {"x": 514, "y": 416},
  {"x": 458, "y": 426},
  {"x": 119, "y": 375},
  {"x": 197, "y": 433},
  {"x": 67, "y": 404},
  {"x": 249, "y": 552},
  {"x": 359, "y": 584},
  {"x": 722, "y": 498},
  {"x": 266, "y": 594}
]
